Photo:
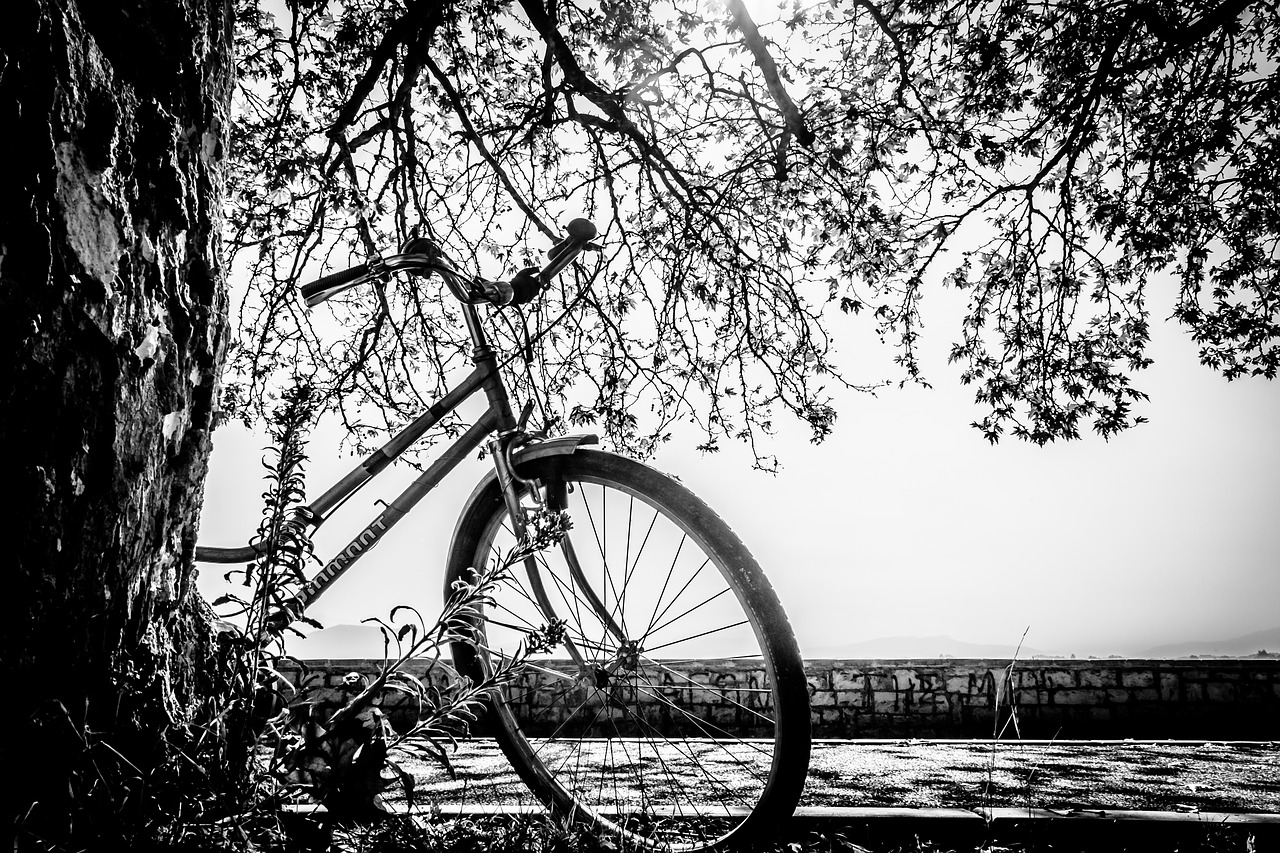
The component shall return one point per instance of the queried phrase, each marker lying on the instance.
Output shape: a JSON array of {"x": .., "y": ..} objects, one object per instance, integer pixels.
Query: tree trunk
[{"x": 112, "y": 333}]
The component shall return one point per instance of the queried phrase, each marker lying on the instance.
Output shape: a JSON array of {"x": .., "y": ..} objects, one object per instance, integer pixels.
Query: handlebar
[{"x": 425, "y": 257}]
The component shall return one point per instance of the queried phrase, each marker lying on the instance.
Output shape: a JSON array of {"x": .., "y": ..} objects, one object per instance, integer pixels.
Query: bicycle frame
[{"x": 497, "y": 419}]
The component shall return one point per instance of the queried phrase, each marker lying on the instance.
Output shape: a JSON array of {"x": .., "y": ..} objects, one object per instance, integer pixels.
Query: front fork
[{"x": 501, "y": 448}]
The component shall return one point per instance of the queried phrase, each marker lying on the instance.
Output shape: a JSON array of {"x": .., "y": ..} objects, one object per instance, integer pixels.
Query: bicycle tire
[{"x": 637, "y": 733}]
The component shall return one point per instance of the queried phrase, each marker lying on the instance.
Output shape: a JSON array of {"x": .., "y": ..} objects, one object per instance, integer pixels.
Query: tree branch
[
  {"x": 791, "y": 114},
  {"x": 415, "y": 26},
  {"x": 470, "y": 132}
]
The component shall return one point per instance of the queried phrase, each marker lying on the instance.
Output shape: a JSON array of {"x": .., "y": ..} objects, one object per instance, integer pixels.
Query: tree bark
[{"x": 112, "y": 333}]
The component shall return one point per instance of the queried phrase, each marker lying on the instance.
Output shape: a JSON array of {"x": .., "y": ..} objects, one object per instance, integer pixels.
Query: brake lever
[
  {"x": 496, "y": 292},
  {"x": 525, "y": 412}
]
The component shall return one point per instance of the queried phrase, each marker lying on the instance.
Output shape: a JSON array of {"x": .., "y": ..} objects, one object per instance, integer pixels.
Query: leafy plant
[
  {"x": 347, "y": 759},
  {"x": 344, "y": 757}
]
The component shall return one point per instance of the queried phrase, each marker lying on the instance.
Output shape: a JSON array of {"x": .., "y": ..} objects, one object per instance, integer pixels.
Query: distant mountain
[
  {"x": 921, "y": 647},
  {"x": 1243, "y": 646},
  {"x": 365, "y": 641},
  {"x": 338, "y": 641}
]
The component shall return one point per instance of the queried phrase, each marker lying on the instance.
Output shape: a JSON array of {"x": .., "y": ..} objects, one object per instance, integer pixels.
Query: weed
[{"x": 343, "y": 754}]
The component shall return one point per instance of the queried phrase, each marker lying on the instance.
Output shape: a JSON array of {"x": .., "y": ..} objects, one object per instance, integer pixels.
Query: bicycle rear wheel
[{"x": 623, "y": 724}]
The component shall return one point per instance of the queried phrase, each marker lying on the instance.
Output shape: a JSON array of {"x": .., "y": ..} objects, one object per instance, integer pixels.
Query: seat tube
[{"x": 486, "y": 362}]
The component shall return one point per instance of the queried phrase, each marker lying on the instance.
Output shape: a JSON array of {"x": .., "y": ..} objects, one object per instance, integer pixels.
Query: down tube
[{"x": 398, "y": 508}]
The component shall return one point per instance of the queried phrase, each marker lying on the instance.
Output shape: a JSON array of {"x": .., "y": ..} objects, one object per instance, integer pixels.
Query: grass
[
  {"x": 535, "y": 834},
  {"x": 538, "y": 835}
]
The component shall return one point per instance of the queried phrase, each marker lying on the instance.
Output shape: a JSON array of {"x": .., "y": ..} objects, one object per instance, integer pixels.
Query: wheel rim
[{"x": 634, "y": 738}]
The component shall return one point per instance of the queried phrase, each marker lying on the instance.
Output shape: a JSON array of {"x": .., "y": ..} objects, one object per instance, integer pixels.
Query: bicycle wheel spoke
[
  {"x": 665, "y": 583},
  {"x": 700, "y": 765},
  {"x": 577, "y": 753},
  {"x": 702, "y": 603},
  {"x": 698, "y": 635},
  {"x": 620, "y": 601},
  {"x": 564, "y": 587},
  {"x": 567, "y": 591},
  {"x": 600, "y": 533},
  {"x": 541, "y": 559},
  {"x": 706, "y": 726},
  {"x": 631, "y": 568},
  {"x": 672, "y": 777},
  {"x": 633, "y": 765},
  {"x": 571, "y": 715},
  {"x": 598, "y": 603},
  {"x": 649, "y": 630},
  {"x": 734, "y": 703}
]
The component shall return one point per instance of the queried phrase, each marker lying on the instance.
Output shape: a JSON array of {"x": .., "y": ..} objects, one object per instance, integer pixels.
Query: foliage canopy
[{"x": 755, "y": 170}]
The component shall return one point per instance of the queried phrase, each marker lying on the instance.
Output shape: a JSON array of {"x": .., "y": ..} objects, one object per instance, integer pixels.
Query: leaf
[
  {"x": 396, "y": 610},
  {"x": 410, "y": 679},
  {"x": 406, "y": 779}
]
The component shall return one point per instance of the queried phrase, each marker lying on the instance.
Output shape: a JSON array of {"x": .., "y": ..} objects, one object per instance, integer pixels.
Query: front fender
[
  {"x": 553, "y": 447},
  {"x": 487, "y": 496}
]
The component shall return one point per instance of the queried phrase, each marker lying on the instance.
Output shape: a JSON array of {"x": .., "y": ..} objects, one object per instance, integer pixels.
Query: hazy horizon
[
  {"x": 364, "y": 641},
  {"x": 905, "y": 522}
]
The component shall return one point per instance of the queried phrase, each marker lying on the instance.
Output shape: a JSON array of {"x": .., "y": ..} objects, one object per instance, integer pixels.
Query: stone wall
[
  {"x": 1212, "y": 699},
  {"x": 1064, "y": 699}
]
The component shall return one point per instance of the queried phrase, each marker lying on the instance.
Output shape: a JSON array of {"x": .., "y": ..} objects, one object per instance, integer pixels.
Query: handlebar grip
[
  {"x": 578, "y": 233},
  {"x": 581, "y": 230},
  {"x": 318, "y": 290}
]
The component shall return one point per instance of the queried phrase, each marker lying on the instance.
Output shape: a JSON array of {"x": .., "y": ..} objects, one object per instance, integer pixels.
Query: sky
[{"x": 905, "y": 522}]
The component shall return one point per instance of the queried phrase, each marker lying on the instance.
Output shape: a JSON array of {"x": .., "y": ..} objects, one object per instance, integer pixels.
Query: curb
[{"x": 875, "y": 814}]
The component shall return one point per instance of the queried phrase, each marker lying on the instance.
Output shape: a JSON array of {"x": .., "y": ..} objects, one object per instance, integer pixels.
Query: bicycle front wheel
[{"x": 673, "y": 711}]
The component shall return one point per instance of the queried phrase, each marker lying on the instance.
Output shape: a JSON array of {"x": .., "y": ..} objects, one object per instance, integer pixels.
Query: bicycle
[{"x": 594, "y": 732}]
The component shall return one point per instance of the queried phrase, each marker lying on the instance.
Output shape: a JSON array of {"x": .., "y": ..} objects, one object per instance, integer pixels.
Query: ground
[{"x": 1161, "y": 775}]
